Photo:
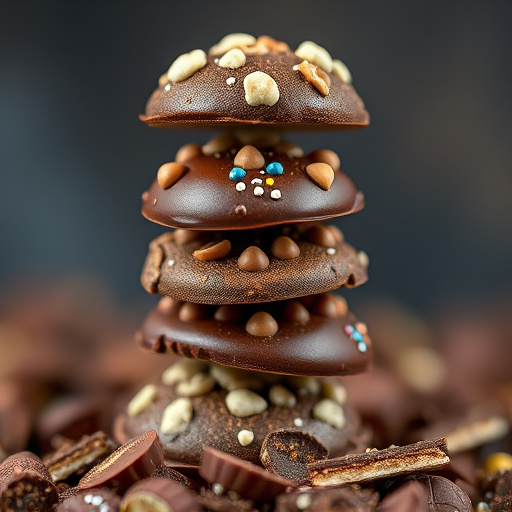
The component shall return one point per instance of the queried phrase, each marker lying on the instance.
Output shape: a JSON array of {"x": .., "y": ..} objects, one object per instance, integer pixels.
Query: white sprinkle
[
  {"x": 167, "y": 87},
  {"x": 240, "y": 186},
  {"x": 171, "y": 263},
  {"x": 104, "y": 507},
  {"x": 218, "y": 489},
  {"x": 88, "y": 498},
  {"x": 298, "y": 422},
  {"x": 245, "y": 437},
  {"x": 303, "y": 501},
  {"x": 296, "y": 67},
  {"x": 216, "y": 61},
  {"x": 256, "y": 180},
  {"x": 361, "y": 346},
  {"x": 258, "y": 191},
  {"x": 96, "y": 500},
  {"x": 275, "y": 194},
  {"x": 330, "y": 251},
  {"x": 262, "y": 172},
  {"x": 231, "y": 80}
]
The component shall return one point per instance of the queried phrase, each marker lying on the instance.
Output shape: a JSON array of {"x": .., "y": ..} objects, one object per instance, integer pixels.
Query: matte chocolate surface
[
  {"x": 205, "y": 197},
  {"x": 318, "y": 347},
  {"x": 171, "y": 269},
  {"x": 205, "y": 100}
]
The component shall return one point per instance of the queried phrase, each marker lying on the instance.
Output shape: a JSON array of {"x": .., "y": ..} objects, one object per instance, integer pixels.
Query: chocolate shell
[
  {"x": 206, "y": 197},
  {"x": 318, "y": 346},
  {"x": 215, "y": 96}
]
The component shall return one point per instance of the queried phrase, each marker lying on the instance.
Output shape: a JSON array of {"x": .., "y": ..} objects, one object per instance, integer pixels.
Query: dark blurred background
[{"x": 435, "y": 164}]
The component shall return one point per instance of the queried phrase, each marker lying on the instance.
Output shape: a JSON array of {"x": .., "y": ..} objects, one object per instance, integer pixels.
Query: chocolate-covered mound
[
  {"x": 209, "y": 196},
  {"x": 236, "y": 421},
  {"x": 313, "y": 338},
  {"x": 203, "y": 93},
  {"x": 250, "y": 273}
]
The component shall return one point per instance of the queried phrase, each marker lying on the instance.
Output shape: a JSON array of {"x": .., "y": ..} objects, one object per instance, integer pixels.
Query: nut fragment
[
  {"x": 235, "y": 40},
  {"x": 234, "y": 378},
  {"x": 260, "y": 89},
  {"x": 183, "y": 370},
  {"x": 315, "y": 54},
  {"x": 316, "y": 76},
  {"x": 168, "y": 305},
  {"x": 176, "y": 416},
  {"x": 289, "y": 149},
  {"x": 266, "y": 44},
  {"x": 321, "y": 174},
  {"x": 199, "y": 384},
  {"x": 186, "y": 65},
  {"x": 284, "y": 248},
  {"x": 341, "y": 71},
  {"x": 261, "y": 324},
  {"x": 232, "y": 59},
  {"x": 334, "y": 391},
  {"x": 326, "y": 156},
  {"x": 227, "y": 313},
  {"x": 185, "y": 236},
  {"x": 220, "y": 144},
  {"x": 322, "y": 236},
  {"x": 296, "y": 312},
  {"x": 281, "y": 397},
  {"x": 187, "y": 152},
  {"x": 330, "y": 412},
  {"x": 243, "y": 402},
  {"x": 190, "y": 311},
  {"x": 213, "y": 251},
  {"x": 170, "y": 173},
  {"x": 304, "y": 385},
  {"x": 253, "y": 259},
  {"x": 327, "y": 306},
  {"x": 142, "y": 400},
  {"x": 249, "y": 159},
  {"x": 363, "y": 258},
  {"x": 245, "y": 437},
  {"x": 258, "y": 137}
]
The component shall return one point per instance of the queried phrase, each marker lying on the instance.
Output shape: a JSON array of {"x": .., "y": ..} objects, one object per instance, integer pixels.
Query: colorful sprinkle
[
  {"x": 275, "y": 168},
  {"x": 237, "y": 173},
  {"x": 362, "y": 347},
  {"x": 240, "y": 186},
  {"x": 258, "y": 191},
  {"x": 269, "y": 181},
  {"x": 275, "y": 194},
  {"x": 352, "y": 332}
]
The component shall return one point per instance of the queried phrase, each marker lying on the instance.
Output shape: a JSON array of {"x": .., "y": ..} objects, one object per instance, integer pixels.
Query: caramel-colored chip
[
  {"x": 284, "y": 248},
  {"x": 185, "y": 236},
  {"x": 321, "y": 235},
  {"x": 253, "y": 259},
  {"x": 168, "y": 305},
  {"x": 187, "y": 152},
  {"x": 266, "y": 44},
  {"x": 220, "y": 144},
  {"x": 213, "y": 251},
  {"x": 262, "y": 324},
  {"x": 295, "y": 312},
  {"x": 249, "y": 158},
  {"x": 169, "y": 174},
  {"x": 290, "y": 149},
  {"x": 317, "y": 77},
  {"x": 336, "y": 232},
  {"x": 325, "y": 305},
  {"x": 191, "y": 311},
  {"x": 321, "y": 174},
  {"x": 227, "y": 313},
  {"x": 326, "y": 156}
]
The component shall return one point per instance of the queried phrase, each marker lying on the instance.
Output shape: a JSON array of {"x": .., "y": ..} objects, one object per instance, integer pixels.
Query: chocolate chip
[
  {"x": 249, "y": 159},
  {"x": 262, "y": 324},
  {"x": 321, "y": 174},
  {"x": 289, "y": 149},
  {"x": 170, "y": 173},
  {"x": 336, "y": 232},
  {"x": 220, "y": 144},
  {"x": 326, "y": 305},
  {"x": 321, "y": 235},
  {"x": 191, "y": 311},
  {"x": 295, "y": 312},
  {"x": 227, "y": 313},
  {"x": 253, "y": 259},
  {"x": 168, "y": 305},
  {"x": 287, "y": 453},
  {"x": 187, "y": 152},
  {"x": 326, "y": 156},
  {"x": 284, "y": 248},
  {"x": 213, "y": 251},
  {"x": 186, "y": 236}
]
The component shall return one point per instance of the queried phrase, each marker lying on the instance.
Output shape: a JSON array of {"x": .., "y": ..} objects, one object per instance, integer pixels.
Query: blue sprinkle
[
  {"x": 357, "y": 336},
  {"x": 274, "y": 168},
  {"x": 361, "y": 347},
  {"x": 237, "y": 173}
]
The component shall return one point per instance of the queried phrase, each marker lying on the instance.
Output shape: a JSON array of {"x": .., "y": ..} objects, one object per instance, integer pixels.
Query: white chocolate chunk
[
  {"x": 230, "y": 41},
  {"x": 341, "y": 71},
  {"x": 330, "y": 412},
  {"x": 142, "y": 400},
  {"x": 315, "y": 54},
  {"x": 186, "y": 65},
  {"x": 176, "y": 416},
  {"x": 260, "y": 89},
  {"x": 233, "y": 59}
]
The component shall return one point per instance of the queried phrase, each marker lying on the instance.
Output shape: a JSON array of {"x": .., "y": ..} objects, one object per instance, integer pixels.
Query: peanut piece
[
  {"x": 260, "y": 89},
  {"x": 142, "y": 400},
  {"x": 230, "y": 41},
  {"x": 176, "y": 416},
  {"x": 233, "y": 59},
  {"x": 340, "y": 70},
  {"x": 243, "y": 402},
  {"x": 281, "y": 397},
  {"x": 199, "y": 384},
  {"x": 182, "y": 371},
  {"x": 318, "y": 78},
  {"x": 186, "y": 65},
  {"x": 315, "y": 54},
  {"x": 330, "y": 412}
]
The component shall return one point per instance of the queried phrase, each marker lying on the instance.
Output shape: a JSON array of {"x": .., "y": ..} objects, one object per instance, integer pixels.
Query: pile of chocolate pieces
[{"x": 253, "y": 415}]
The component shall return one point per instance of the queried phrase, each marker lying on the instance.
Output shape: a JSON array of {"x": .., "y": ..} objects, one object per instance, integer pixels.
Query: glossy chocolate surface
[
  {"x": 206, "y": 198},
  {"x": 205, "y": 100}
]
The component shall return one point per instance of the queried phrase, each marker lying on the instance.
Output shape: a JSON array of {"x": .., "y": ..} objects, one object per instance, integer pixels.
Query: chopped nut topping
[
  {"x": 142, "y": 400},
  {"x": 182, "y": 371},
  {"x": 318, "y": 78},
  {"x": 233, "y": 59},
  {"x": 199, "y": 384},
  {"x": 315, "y": 54},
  {"x": 260, "y": 89},
  {"x": 330, "y": 412},
  {"x": 335, "y": 392},
  {"x": 176, "y": 416},
  {"x": 322, "y": 174},
  {"x": 230, "y": 41},
  {"x": 186, "y": 65},
  {"x": 243, "y": 402},
  {"x": 245, "y": 437},
  {"x": 234, "y": 378},
  {"x": 281, "y": 397},
  {"x": 340, "y": 70},
  {"x": 170, "y": 173}
]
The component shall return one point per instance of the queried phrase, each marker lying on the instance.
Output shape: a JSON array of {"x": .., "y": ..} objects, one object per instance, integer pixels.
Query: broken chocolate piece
[
  {"x": 287, "y": 453},
  {"x": 171, "y": 474},
  {"x": 372, "y": 465},
  {"x": 409, "y": 497}
]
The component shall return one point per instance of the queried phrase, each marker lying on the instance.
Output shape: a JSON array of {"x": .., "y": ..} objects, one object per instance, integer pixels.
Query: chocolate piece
[
  {"x": 220, "y": 144},
  {"x": 373, "y": 465},
  {"x": 80, "y": 457},
  {"x": 158, "y": 495},
  {"x": 238, "y": 475},
  {"x": 284, "y": 248},
  {"x": 25, "y": 484},
  {"x": 326, "y": 156},
  {"x": 261, "y": 324},
  {"x": 136, "y": 459},
  {"x": 190, "y": 312},
  {"x": 501, "y": 492},
  {"x": 170, "y": 473},
  {"x": 409, "y": 497},
  {"x": 188, "y": 151},
  {"x": 212, "y": 103},
  {"x": 168, "y": 174},
  {"x": 91, "y": 500},
  {"x": 171, "y": 269},
  {"x": 304, "y": 342},
  {"x": 249, "y": 159},
  {"x": 287, "y": 453},
  {"x": 206, "y": 196},
  {"x": 341, "y": 499},
  {"x": 212, "y": 424},
  {"x": 322, "y": 174},
  {"x": 444, "y": 496},
  {"x": 229, "y": 502}
]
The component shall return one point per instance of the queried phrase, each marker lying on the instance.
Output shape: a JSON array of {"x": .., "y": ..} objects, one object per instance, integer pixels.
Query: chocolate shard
[
  {"x": 243, "y": 477},
  {"x": 287, "y": 453},
  {"x": 133, "y": 461},
  {"x": 409, "y": 497},
  {"x": 444, "y": 495},
  {"x": 78, "y": 458},
  {"x": 159, "y": 495},
  {"x": 376, "y": 464},
  {"x": 25, "y": 484},
  {"x": 171, "y": 474}
]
